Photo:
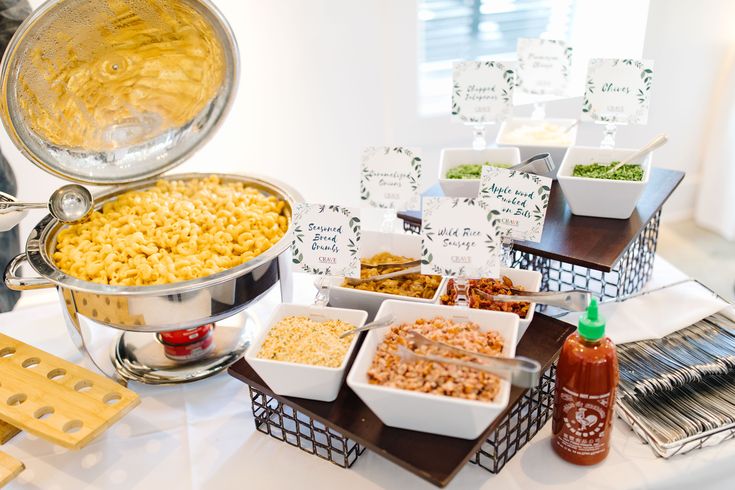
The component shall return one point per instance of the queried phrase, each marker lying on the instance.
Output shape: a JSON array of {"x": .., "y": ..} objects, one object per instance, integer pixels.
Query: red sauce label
[{"x": 585, "y": 422}]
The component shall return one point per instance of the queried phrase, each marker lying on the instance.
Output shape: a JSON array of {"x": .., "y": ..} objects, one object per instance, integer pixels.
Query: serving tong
[
  {"x": 522, "y": 371},
  {"x": 410, "y": 267},
  {"x": 572, "y": 300}
]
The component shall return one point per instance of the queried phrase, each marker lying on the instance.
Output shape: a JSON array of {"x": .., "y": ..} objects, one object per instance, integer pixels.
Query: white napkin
[{"x": 659, "y": 313}]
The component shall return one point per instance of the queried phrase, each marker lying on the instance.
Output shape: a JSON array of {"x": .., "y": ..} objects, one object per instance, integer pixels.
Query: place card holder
[
  {"x": 482, "y": 94},
  {"x": 543, "y": 70},
  {"x": 326, "y": 244},
  {"x": 617, "y": 92},
  {"x": 390, "y": 179}
]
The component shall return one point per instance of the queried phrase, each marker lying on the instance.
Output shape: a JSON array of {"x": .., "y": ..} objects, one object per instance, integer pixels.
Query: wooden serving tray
[
  {"x": 54, "y": 399},
  {"x": 434, "y": 458},
  {"x": 596, "y": 243},
  {"x": 9, "y": 468}
]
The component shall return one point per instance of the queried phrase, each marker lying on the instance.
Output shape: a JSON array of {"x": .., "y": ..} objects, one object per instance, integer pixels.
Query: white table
[{"x": 202, "y": 435}]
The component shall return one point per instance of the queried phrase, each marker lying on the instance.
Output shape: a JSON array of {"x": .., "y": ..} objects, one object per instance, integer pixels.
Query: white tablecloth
[{"x": 202, "y": 435}]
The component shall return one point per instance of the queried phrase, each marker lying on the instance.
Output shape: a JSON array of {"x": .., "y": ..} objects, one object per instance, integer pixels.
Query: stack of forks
[{"x": 678, "y": 392}]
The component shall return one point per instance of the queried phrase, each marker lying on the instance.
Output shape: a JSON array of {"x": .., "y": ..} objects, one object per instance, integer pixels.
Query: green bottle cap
[{"x": 591, "y": 324}]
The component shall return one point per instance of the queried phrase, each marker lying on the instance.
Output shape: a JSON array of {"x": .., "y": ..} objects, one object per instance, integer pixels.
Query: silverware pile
[
  {"x": 678, "y": 393},
  {"x": 688, "y": 356},
  {"x": 688, "y": 411}
]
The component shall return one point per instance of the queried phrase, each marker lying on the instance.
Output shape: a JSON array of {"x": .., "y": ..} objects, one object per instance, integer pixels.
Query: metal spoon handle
[
  {"x": 16, "y": 207},
  {"x": 658, "y": 141},
  {"x": 380, "y": 277},
  {"x": 383, "y": 322},
  {"x": 574, "y": 300},
  {"x": 519, "y": 375}
]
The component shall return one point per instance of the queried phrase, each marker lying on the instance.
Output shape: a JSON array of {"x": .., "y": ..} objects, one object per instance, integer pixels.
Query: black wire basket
[{"x": 286, "y": 423}]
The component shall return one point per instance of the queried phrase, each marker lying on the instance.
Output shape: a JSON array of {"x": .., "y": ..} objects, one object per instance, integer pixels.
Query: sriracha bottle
[{"x": 586, "y": 378}]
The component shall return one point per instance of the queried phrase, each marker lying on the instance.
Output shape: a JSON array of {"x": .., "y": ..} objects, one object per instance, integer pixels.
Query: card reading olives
[
  {"x": 326, "y": 240},
  {"x": 543, "y": 66},
  {"x": 520, "y": 197},
  {"x": 390, "y": 177},
  {"x": 617, "y": 91},
  {"x": 482, "y": 91},
  {"x": 459, "y": 238}
]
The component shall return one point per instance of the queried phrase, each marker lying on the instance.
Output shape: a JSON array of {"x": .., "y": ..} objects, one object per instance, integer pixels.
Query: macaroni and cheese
[{"x": 173, "y": 231}]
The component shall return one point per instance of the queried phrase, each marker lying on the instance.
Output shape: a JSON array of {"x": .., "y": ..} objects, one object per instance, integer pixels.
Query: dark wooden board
[
  {"x": 434, "y": 458},
  {"x": 596, "y": 243}
]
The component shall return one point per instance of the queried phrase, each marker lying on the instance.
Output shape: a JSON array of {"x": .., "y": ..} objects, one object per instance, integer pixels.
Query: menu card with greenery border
[
  {"x": 520, "y": 197},
  {"x": 543, "y": 66},
  {"x": 326, "y": 240},
  {"x": 390, "y": 177},
  {"x": 459, "y": 238},
  {"x": 617, "y": 91},
  {"x": 482, "y": 91}
]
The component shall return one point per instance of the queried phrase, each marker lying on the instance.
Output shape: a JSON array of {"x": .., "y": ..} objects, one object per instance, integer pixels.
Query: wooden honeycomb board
[
  {"x": 56, "y": 400},
  {"x": 7, "y": 432},
  {"x": 9, "y": 468}
]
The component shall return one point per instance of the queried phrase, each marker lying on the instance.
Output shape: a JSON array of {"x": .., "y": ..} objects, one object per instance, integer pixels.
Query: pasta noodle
[{"x": 173, "y": 231}]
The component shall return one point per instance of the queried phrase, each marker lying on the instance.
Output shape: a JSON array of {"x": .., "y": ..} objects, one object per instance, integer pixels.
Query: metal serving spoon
[
  {"x": 573, "y": 300},
  {"x": 537, "y": 164},
  {"x": 383, "y": 322},
  {"x": 68, "y": 204}
]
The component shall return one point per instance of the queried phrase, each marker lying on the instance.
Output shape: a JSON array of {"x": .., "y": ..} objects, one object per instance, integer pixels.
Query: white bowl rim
[
  {"x": 505, "y": 390},
  {"x": 646, "y": 167},
  {"x": 434, "y": 397},
  {"x": 503, "y": 126},
  {"x": 503, "y": 271},
  {"x": 442, "y": 174},
  {"x": 311, "y": 367},
  {"x": 386, "y": 296}
]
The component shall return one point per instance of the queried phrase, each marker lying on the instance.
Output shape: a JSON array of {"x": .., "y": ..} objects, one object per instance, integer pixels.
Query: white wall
[{"x": 324, "y": 78}]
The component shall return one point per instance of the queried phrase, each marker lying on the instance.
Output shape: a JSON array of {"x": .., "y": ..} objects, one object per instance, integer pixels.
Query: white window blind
[{"x": 479, "y": 29}]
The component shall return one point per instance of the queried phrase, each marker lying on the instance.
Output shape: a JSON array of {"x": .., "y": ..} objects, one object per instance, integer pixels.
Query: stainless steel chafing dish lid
[{"x": 117, "y": 91}]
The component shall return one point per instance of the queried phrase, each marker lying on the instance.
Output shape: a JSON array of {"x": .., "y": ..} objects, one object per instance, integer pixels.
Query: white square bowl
[
  {"x": 529, "y": 148},
  {"x": 601, "y": 198},
  {"x": 303, "y": 380},
  {"x": 372, "y": 243},
  {"x": 436, "y": 414},
  {"x": 529, "y": 281},
  {"x": 451, "y": 157}
]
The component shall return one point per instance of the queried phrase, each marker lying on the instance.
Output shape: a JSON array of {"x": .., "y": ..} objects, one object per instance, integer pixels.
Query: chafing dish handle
[{"x": 16, "y": 283}]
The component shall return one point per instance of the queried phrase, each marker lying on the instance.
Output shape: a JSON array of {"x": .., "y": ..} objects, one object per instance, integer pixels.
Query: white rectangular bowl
[
  {"x": 531, "y": 148},
  {"x": 601, "y": 198},
  {"x": 372, "y": 243},
  {"x": 436, "y": 414},
  {"x": 303, "y": 380},
  {"x": 528, "y": 280},
  {"x": 451, "y": 157}
]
